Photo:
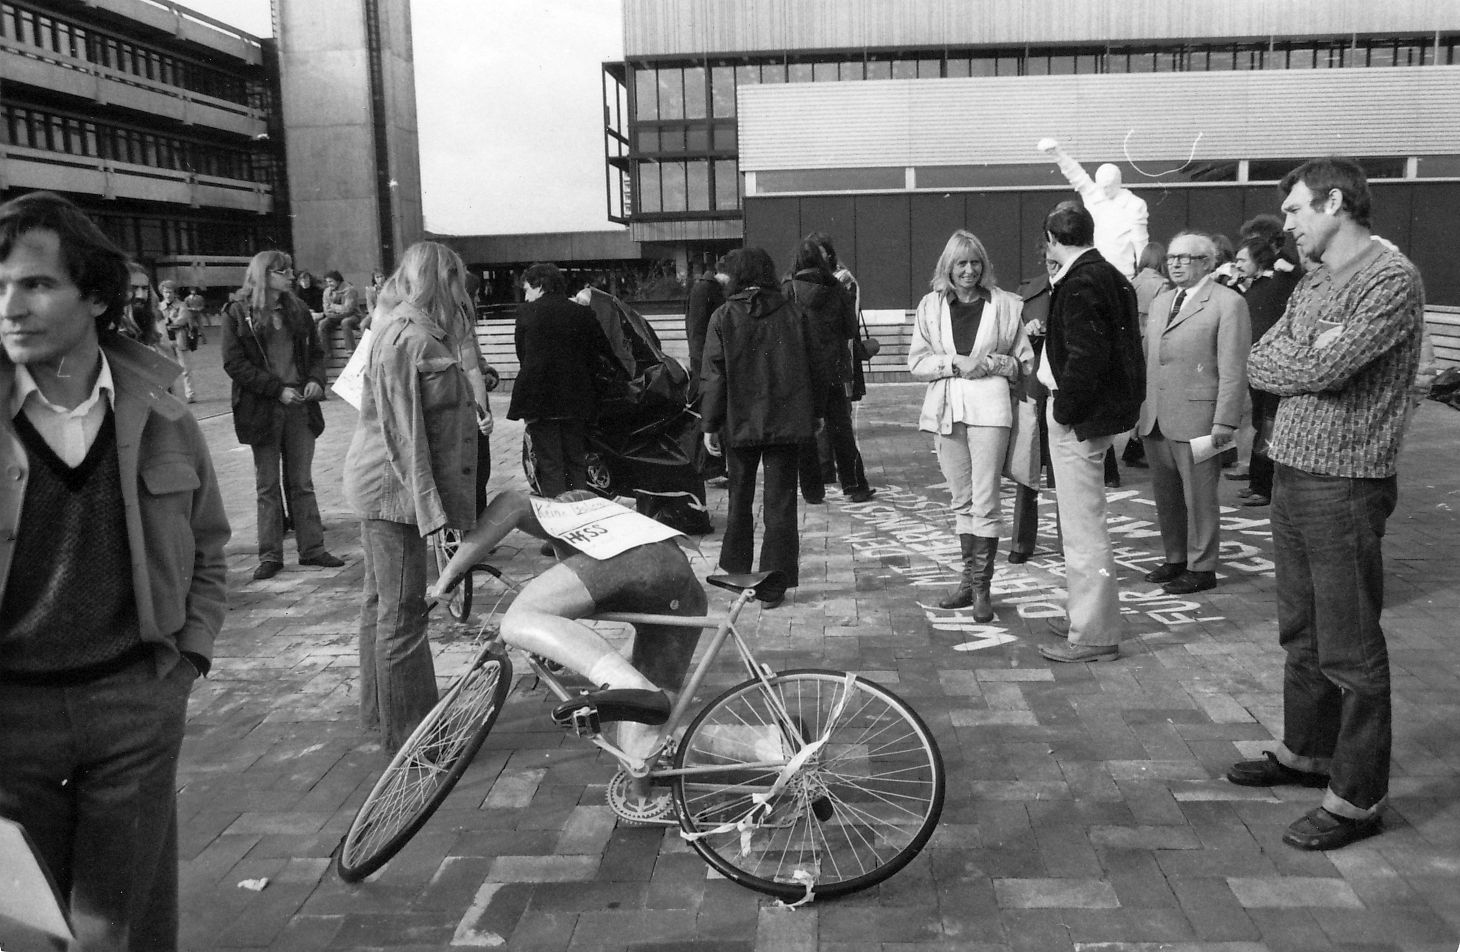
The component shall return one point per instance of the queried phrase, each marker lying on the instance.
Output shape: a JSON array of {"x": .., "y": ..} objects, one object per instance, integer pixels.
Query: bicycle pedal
[{"x": 580, "y": 715}]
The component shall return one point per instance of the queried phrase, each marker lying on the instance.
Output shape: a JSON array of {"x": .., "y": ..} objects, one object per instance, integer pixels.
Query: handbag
[
  {"x": 1021, "y": 461},
  {"x": 865, "y": 347}
]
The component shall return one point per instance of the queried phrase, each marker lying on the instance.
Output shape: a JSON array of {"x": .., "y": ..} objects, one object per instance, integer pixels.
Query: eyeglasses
[
  {"x": 286, "y": 272},
  {"x": 1185, "y": 259}
]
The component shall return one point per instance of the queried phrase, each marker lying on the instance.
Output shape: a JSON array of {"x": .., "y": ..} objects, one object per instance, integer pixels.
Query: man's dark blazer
[
  {"x": 1093, "y": 346},
  {"x": 560, "y": 347}
]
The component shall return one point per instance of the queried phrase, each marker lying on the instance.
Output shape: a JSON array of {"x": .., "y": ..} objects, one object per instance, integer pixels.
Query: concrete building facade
[
  {"x": 161, "y": 123},
  {"x": 349, "y": 101},
  {"x": 892, "y": 124}
]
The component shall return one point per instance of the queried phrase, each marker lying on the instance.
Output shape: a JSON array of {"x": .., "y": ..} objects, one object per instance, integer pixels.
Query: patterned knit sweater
[{"x": 1345, "y": 397}]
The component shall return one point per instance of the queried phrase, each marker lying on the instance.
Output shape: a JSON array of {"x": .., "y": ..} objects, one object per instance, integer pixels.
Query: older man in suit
[{"x": 1197, "y": 338}]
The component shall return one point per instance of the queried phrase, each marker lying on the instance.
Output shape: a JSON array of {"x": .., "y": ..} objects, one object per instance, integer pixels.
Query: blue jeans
[
  {"x": 90, "y": 771},
  {"x": 1337, "y": 718},
  {"x": 397, "y": 675},
  {"x": 289, "y": 438}
]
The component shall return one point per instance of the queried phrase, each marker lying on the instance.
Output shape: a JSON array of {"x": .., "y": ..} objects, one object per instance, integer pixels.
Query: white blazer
[{"x": 951, "y": 399}]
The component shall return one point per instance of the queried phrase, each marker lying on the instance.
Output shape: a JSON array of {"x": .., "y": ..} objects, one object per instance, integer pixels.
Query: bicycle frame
[{"x": 724, "y": 626}]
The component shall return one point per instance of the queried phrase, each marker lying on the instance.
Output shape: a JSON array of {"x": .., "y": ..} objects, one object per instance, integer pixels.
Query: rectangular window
[
  {"x": 851, "y": 70},
  {"x": 672, "y": 184},
  {"x": 773, "y": 73},
  {"x": 696, "y": 96},
  {"x": 879, "y": 69},
  {"x": 646, "y": 94},
  {"x": 727, "y": 185},
  {"x": 799, "y": 73},
  {"x": 671, "y": 139},
  {"x": 1009, "y": 64},
  {"x": 648, "y": 139},
  {"x": 725, "y": 137},
  {"x": 904, "y": 69},
  {"x": 698, "y": 185},
  {"x": 824, "y": 72},
  {"x": 958, "y": 66},
  {"x": 722, "y": 91},
  {"x": 983, "y": 66},
  {"x": 747, "y": 75},
  {"x": 1036, "y": 65},
  {"x": 648, "y": 191},
  {"x": 1062, "y": 65},
  {"x": 26, "y": 34},
  {"x": 697, "y": 139},
  {"x": 671, "y": 93}
]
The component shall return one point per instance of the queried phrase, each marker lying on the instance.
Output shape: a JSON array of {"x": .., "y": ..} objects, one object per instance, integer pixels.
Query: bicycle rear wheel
[
  {"x": 427, "y": 766},
  {"x": 444, "y": 545},
  {"x": 855, "y": 812}
]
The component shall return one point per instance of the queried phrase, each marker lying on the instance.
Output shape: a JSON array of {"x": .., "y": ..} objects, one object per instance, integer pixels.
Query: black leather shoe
[
  {"x": 324, "y": 560},
  {"x": 1018, "y": 558},
  {"x": 862, "y": 495},
  {"x": 1320, "y": 830},
  {"x": 1257, "y": 499},
  {"x": 1190, "y": 582},
  {"x": 267, "y": 570},
  {"x": 1271, "y": 772},
  {"x": 1169, "y": 572}
]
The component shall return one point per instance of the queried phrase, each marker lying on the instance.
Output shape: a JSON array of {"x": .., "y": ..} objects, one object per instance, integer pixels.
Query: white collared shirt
[
  {"x": 1190, "y": 293},
  {"x": 69, "y": 433}
]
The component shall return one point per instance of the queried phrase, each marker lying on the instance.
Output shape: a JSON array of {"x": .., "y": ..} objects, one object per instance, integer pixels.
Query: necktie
[{"x": 1176, "y": 307}]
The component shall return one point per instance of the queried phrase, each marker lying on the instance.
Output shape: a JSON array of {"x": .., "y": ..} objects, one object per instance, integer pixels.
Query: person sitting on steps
[{"x": 653, "y": 578}]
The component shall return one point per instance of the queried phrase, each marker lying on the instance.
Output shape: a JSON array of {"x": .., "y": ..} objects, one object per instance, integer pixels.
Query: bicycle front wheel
[
  {"x": 856, "y": 810},
  {"x": 427, "y": 766}
]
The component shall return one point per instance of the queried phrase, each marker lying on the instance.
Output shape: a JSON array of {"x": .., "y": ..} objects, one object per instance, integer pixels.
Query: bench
[{"x": 1443, "y": 324}]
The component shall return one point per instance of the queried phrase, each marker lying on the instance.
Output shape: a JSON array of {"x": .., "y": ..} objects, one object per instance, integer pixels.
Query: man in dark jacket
[
  {"x": 1095, "y": 372},
  {"x": 763, "y": 397},
  {"x": 559, "y": 346},
  {"x": 705, "y": 297}
]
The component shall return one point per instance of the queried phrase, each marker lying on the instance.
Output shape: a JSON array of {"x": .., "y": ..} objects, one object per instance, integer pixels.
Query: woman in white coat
[{"x": 969, "y": 345}]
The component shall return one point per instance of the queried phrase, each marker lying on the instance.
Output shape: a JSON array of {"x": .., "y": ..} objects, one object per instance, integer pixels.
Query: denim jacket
[{"x": 413, "y": 456}]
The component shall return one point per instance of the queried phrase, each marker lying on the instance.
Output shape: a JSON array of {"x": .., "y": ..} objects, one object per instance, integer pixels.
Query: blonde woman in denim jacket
[{"x": 409, "y": 472}]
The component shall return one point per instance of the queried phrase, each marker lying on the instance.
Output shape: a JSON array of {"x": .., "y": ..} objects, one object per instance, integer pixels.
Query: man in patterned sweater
[{"x": 1342, "y": 358}]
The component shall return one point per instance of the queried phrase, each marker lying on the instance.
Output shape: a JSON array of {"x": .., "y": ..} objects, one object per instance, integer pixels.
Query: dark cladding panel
[
  {"x": 1034, "y": 207},
  {"x": 773, "y": 224},
  {"x": 1217, "y": 211},
  {"x": 1430, "y": 243},
  {"x": 994, "y": 217},
  {"x": 835, "y": 215},
  {"x": 1392, "y": 214},
  {"x": 935, "y": 216},
  {"x": 1166, "y": 211},
  {"x": 882, "y": 251}
]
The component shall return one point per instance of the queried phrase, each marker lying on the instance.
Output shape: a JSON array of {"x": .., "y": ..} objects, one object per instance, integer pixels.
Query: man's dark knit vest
[{"x": 70, "y": 613}]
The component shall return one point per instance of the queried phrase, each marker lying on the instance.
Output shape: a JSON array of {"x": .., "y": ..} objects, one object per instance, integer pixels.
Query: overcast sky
[{"x": 509, "y": 103}]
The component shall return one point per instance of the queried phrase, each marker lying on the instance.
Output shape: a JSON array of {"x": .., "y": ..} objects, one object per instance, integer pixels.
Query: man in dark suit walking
[{"x": 559, "y": 346}]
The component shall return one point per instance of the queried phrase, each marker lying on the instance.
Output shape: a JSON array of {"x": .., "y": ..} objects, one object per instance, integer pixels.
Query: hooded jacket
[
  {"x": 831, "y": 322},
  {"x": 760, "y": 384}
]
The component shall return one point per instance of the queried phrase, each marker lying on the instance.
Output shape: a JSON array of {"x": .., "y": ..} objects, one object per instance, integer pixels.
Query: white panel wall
[
  {"x": 673, "y": 27},
  {"x": 1277, "y": 114}
]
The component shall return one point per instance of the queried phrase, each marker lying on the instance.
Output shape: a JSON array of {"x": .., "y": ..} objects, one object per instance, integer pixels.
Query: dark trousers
[
  {"x": 1025, "y": 530},
  {"x": 1264, "y": 408},
  {"x": 559, "y": 455},
  {"x": 1327, "y": 533},
  {"x": 90, "y": 771},
  {"x": 290, "y": 444},
  {"x": 841, "y": 439},
  {"x": 484, "y": 469},
  {"x": 780, "y": 550}
]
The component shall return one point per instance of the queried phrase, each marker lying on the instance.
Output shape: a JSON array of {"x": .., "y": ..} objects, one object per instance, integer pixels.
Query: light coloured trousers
[
  {"x": 972, "y": 460},
  {"x": 1093, "y": 605}
]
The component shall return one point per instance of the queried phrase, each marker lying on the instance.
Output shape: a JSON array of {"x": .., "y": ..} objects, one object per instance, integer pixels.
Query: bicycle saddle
[
  {"x": 587, "y": 712},
  {"x": 767, "y": 585}
]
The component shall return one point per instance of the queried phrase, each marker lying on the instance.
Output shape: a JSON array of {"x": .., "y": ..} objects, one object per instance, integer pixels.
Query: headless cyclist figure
[{"x": 654, "y": 578}]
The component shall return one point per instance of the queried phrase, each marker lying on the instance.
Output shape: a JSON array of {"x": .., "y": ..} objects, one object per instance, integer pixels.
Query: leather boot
[
  {"x": 985, "y": 552},
  {"x": 962, "y": 596}
]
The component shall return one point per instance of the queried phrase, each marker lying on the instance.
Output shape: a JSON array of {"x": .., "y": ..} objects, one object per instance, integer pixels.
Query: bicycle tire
[
  {"x": 430, "y": 762},
  {"x": 444, "y": 546},
  {"x": 855, "y": 813}
]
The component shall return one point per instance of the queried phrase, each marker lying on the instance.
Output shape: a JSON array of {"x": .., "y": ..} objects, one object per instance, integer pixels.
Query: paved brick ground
[{"x": 1085, "y": 808}]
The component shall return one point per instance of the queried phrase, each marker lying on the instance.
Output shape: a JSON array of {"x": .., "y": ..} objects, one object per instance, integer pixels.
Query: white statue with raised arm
[{"x": 1120, "y": 215}]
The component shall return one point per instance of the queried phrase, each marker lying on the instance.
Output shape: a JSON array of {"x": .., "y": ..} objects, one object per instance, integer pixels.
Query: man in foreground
[
  {"x": 1342, "y": 358},
  {"x": 112, "y": 578}
]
